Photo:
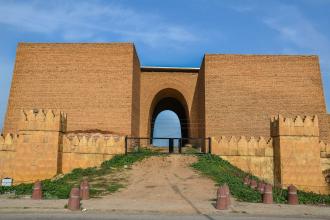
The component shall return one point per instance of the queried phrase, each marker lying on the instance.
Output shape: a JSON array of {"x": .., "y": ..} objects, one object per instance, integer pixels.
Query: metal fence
[{"x": 168, "y": 145}]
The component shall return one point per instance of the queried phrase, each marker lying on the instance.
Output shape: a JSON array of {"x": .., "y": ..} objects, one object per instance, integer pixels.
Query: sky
[
  {"x": 171, "y": 32},
  {"x": 167, "y": 124}
]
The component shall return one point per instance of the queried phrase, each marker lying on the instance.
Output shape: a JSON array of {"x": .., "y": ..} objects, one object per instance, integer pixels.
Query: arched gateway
[
  {"x": 102, "y": 87},
  {"x": 173, "y": 100},
  {"x": 174, "y": 89}
]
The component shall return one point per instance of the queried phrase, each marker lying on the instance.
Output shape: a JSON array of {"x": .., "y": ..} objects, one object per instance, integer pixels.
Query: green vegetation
[
  {"x": 113, "y": 187},
  {"x": 60, "y": 188},
  {"x": 21, "y": 189},
  {"x": 223, "y": 172}
]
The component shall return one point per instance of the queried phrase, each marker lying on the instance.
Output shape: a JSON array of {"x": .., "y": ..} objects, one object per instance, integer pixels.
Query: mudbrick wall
[
  {"x": 89, "y": 150},
  {"x": 159, "y": 84},
  {"x": 253, "y": 155},
  {"x": 243, "y": 91},
  {"x": 293, "y": 154},
  {"x": 325, "y": 156},
  {"x": 42, "y": 148},
  {"x": 297, "y": 152},
  {"x": 90, "y": 82},
  {"x": 102, "y": 87}
]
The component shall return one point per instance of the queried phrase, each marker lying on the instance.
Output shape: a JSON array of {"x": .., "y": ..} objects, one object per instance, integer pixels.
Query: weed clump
[
  {"x": 60, "y": 188},
  {"x": 223, "y": 172}
]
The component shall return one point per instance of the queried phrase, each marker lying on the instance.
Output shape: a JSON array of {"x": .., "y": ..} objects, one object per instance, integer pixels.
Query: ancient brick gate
[
  {"x": 172, "y": 89},
  {"x": 103, "y": 87}
]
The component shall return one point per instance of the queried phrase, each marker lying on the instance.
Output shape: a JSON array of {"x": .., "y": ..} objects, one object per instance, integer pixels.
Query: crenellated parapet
[
  {"x": 89, "y": 149},
  {"x": 242, "y": 146},
  {"x": 298, "y": 126},
  {"x": 8, "y": 142},
  {"x": 253, "y": 155},
  {"x": 42, "y": 120},
  {"x": 43, "y": 149},
  {"x": 297, "y": 153},
  {"x": 93, "y": 143}
]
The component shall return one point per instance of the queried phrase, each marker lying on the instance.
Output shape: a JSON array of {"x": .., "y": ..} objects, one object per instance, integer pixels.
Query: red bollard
[
  {"x": 222, "y": 199},
  {"x": 218, "y": 192},
  {"x": 292, "y": 195},
  {"x": 74, "y": 200},
  {"x": 261, "y": 187},
  {"x": 247, "y": 180},
  {"x": 227, "y": 194},
  {"x": 84, "y": 189},
  {"x": 267, "y": 197},
  {"x": 253, "y": 184},
  {"x": 37, "y": 191}
]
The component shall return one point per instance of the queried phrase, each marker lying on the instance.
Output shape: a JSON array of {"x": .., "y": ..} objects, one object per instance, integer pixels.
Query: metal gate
[{"x": 168, "y": 145}]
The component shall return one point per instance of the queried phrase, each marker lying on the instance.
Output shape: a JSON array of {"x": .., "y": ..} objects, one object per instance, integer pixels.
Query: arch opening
[
  {"x": 166, "y": 125},
  {"x": 169, "y": 100}
]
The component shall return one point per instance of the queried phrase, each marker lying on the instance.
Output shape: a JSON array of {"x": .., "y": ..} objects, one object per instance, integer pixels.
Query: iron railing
[{"x": 169, "y": 145}]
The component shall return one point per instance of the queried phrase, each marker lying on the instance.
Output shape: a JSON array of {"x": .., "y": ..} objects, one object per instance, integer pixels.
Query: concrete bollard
[
  {"x": 267, "y": 197},
  {"x": 261, "y": 187},
  {"x": 247, "y": 180},
  {"x": 227, "y": 194},
  {"x": 84, "y": 189},
  {"x": 221, "y": 199},
  {"x": 37, "y": 191},
  {"x": 74, "y": 200},
  {"x": 292, "y": 195},
  {"x": 253, "y": 184},
  {"x": 218, "y": 192}
]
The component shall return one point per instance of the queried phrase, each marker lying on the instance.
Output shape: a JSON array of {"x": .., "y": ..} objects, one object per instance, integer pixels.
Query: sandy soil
[
  {"x": 165, "y": 183},
  {"x": 169, "y": 185}
]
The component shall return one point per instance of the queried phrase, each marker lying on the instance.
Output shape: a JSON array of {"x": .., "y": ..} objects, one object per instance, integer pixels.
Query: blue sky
[
  {"x": 171, "y": 32},
  {"x": 167, "y": 124}
]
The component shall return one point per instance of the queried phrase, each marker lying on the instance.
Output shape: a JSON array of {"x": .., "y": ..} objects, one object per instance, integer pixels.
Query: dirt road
[{"x": 164, "y": 184}]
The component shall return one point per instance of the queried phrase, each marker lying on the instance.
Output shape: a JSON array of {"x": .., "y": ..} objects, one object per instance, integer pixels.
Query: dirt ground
[{"x": 163, "y": 183}]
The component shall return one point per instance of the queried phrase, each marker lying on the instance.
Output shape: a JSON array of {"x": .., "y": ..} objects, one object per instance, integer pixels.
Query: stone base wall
[
  {"x": 297, "y": 153},
  {"x": 89, "y": 150},
  {"x": 7, "y": 155},
  {"x": 42, "y": 149},
  {"x": 325, "y": 156},
  {"x": 253, "y": 155},
  {"x": 293, "y": 155}
]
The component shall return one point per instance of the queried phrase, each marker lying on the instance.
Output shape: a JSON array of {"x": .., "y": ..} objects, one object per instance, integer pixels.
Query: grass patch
[
  {"x": 113, "y": 187},
  {"x": 221, "y": 171},
  {"x": 60, "y": 188}
]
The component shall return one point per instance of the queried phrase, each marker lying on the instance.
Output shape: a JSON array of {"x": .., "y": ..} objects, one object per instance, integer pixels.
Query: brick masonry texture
[
  {"x": 243, "y": 91},
  {"x": 179, "y": 85},
  {"x": 42, "y": 149},
  {"x": 92, "y": 83},
  {"x": 90, "y": 87}
]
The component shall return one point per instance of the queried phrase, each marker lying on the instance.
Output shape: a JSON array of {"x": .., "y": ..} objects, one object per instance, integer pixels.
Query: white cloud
[
  {"x": 294, "y": 27},
  {"x": 296, "y": 31},
  {"x": 87, "y": 20}
]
